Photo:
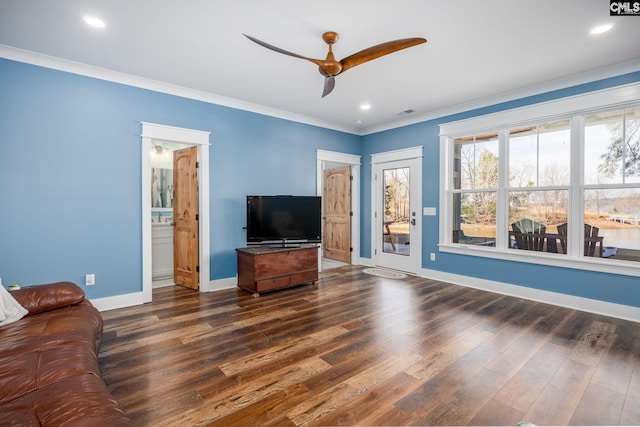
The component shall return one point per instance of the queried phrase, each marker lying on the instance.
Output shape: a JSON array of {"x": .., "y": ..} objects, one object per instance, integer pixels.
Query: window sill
[{"x": 603, "y": 265}]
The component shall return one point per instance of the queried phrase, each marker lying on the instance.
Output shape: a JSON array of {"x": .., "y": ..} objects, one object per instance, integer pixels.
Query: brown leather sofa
[{"x": 49, "y": 373}]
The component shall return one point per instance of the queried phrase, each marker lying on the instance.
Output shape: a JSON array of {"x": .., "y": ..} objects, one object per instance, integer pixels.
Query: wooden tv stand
[{"x": 265, "y": 268}]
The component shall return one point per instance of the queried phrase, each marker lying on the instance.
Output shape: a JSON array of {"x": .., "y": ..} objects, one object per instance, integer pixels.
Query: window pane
[
  {"x": 476, "y": 162},
  {"x": 474, "y": 218},
  {"x": 616, "y": 214},
  {"x": 539, "y": 155},
  {"x": 538, "y": 213},
  {"x": 523, "y": 158},
  {"x": 554, "y": 142},
  {"x": 603, "y": 148},
  {"x": 632, "y": 146}
]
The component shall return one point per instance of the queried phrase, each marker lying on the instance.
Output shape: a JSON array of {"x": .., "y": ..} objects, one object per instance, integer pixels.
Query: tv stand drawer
[
  {"x": 305, "y": 276},
  {"x": 269, "y": 284}
]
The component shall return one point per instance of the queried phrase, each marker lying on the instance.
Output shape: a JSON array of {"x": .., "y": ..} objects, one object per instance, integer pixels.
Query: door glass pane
[{"x": 396, "y": 217}]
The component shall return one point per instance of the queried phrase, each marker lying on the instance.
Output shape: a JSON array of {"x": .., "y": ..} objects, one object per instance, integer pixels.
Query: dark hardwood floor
[{"x": 362, "y": 350}]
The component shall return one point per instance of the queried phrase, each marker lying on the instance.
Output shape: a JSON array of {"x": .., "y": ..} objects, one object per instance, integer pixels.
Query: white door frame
[
  {"x": 378, "y": 160},
  {"x": 150, "y": 132},
  {"x": 323, "y": 157}
]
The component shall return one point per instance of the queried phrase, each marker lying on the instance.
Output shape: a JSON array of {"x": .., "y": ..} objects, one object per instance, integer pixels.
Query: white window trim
[{"x": 574, "y": 107}]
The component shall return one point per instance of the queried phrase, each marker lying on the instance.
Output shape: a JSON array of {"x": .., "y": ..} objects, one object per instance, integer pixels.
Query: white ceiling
[{"x": 478, "y": 51}]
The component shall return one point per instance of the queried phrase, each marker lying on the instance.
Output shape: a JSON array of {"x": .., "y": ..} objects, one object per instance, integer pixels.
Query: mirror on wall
[
  {"x": 162, "y": 182},
  {"x": 161, "y": 188},
  {"x": 161, "y": 196}
]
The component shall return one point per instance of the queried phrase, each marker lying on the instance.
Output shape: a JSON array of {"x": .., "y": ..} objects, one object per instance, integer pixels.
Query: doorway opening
[
  {"x": 162, "y": 215},
  {"x": 159, "y": 135},
  {"x": 338, "y": 182}
]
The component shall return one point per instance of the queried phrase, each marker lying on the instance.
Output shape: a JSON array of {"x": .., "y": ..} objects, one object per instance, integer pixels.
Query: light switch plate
[{"x": 429, "y": 211}]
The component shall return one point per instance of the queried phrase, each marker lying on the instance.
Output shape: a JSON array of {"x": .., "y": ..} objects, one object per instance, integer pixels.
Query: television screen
[{"x": 282, "y": 219}]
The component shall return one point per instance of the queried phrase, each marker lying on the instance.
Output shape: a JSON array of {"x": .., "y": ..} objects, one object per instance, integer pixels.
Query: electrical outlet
[
  {"x": 90, "y": 279},
  {"x": 433, "y": 256}
]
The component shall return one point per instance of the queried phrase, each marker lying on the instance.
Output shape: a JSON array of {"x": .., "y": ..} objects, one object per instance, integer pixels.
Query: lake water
[{"x": 621, "y": 238}]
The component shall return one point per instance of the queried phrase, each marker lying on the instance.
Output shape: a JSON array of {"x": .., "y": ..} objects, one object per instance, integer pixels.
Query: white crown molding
[
  {"x": 52, "y": 62},
  {"x": 46, "y": 61},
  {"x": 549, "y": 86}
]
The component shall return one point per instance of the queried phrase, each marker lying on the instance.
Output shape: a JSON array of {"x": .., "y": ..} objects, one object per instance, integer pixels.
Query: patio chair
[
  {"x": 591, "y": 240},
  {"x": 460, "y": 237},
  {"x": 529, "y": 234}
]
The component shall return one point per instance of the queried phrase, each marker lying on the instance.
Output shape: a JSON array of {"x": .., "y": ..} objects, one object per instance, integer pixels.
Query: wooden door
[
  {"x": 336, "y": 206},
  {"x": 185, "y": 217}
]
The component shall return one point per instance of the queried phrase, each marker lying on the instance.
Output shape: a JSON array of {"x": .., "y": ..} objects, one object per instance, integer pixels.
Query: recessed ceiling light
[
  {"x": 365, "y": 106},
  {"x": 601, "y": 29},
  {"x": 94, "y": 22}
]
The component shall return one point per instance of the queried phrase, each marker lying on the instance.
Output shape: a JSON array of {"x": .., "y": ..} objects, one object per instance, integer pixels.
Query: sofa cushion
[
  {"x": 41, "y": 298},
  {"x": 81, "y": 400},
  {"x": 47, "y": 347}
]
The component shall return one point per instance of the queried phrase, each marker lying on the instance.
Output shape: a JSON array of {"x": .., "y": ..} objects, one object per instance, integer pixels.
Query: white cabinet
[{"x": 162, "y": 258}]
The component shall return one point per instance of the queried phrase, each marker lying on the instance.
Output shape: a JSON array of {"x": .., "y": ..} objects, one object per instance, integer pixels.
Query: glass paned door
[{"x": 398, "y": 215}]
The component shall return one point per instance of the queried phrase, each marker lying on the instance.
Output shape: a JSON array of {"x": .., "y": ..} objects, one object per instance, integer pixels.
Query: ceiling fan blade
[
  {"x": 379, "y": 50},
  {"x": 285, "y": 52},
  {"x": 329, "y": 84}
]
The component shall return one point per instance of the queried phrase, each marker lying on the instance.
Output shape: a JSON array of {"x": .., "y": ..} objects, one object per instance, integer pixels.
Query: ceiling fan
[{"x": 330, "y": 67}]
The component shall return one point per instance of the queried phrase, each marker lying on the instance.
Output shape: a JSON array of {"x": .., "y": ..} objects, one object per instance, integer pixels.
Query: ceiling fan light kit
[{"x": 330, "y": 67}]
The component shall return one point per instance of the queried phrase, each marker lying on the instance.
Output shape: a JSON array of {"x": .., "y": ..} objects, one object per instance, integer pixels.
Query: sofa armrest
[{"x": 41, "y": 298}]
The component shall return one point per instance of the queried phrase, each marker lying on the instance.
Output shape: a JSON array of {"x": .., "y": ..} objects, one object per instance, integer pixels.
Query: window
[
  {"x": 538, "y": 190},
  {"x": 563, "y": 190},
  {"x": 612, "y": 180},
  {"x": 475, "y": 185}
]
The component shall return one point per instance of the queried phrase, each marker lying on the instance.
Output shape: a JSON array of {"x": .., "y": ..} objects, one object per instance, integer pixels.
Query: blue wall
[
  {"x": 70, "y": 167},
  {"x": 601, "y": 286}
]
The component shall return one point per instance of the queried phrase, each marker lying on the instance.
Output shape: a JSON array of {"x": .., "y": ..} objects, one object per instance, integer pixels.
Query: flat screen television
[{"x": 283, "y": 220}]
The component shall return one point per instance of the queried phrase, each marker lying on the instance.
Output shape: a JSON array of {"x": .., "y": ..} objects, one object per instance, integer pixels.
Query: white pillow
[{"x": 10, "y": 309}]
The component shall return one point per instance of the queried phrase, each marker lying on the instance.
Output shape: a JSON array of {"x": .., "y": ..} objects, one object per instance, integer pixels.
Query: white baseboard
[
  {"x": 368, "y": 262},
  {"x": 619, "y": 311},
  {"x": 220, "y": 284},
  {"x": 118, "y": 301},
  {"x": 162, "y": 284},
  {"x": 610, "y": 309},
  {"x": 129, "y": 300}
]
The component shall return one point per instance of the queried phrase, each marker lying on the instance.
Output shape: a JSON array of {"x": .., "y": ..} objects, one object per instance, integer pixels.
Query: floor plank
[{"x": 357, "y": 349}]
